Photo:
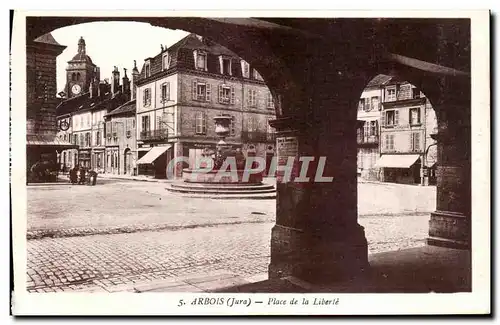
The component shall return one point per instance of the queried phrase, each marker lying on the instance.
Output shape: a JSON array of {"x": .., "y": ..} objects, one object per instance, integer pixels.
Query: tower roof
[{"x": 82, "y": 55}]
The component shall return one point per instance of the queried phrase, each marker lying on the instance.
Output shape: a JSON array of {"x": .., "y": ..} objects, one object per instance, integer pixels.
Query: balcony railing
[
  {"x": 161, "y": 134},
  {"x": 371, "y": 139},
  {"x": 256, "y": 136}
]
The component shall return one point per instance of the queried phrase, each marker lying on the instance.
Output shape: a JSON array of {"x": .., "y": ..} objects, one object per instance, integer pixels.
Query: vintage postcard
[{"x": 250, "y": 163}]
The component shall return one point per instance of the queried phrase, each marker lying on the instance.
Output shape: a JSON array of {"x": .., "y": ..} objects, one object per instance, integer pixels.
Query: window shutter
[
  {"x": 419, "y": 115},
  {"x": 417, "y": 141},
  {"x": 208, "y": 92},
  {"x": 204, "y": 122},
  {"x": 195, "y": 88},
  {"x": 232, "y": 95},
  {"x": 220, "y": 93},
  {"x": 194, "y": 59},
  {"x": 167, "y": 97},
  {"x": 382, "y": 118},
  {"x": 249, "y": 93},
  {"x": 396, "y": 117},
  {"x": 412, "y": 141},
  {"x": 194, "y": 121}
]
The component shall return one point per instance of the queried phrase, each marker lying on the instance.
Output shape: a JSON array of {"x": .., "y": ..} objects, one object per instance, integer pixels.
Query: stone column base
[
  {"x": 318, "y": 257},
  {"x": 449, "y": 229}
]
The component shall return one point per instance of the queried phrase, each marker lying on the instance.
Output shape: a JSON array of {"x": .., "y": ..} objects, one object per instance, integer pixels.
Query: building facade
[
  {"x": 368, "y": 130},
  {"x": 121, "y": 140},
  {"x": 182, "y": 89},
  {"x": 43, "y": 145},
  {"x": 408, "y": 152}
]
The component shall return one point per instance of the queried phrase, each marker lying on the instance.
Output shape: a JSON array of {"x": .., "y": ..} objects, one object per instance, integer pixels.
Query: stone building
[
  {"x": 408, "y": 152},
  {"x": 121, "y": 140},
  {"x": 368, "y": 130},
  {"x": 89, "y": 100},
  {"x": 43, "y": 146},
  {"x": 181, "y": 90}
]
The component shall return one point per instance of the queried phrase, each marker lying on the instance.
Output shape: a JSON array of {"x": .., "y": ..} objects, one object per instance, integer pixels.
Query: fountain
[{"x": 223, "y": 180}]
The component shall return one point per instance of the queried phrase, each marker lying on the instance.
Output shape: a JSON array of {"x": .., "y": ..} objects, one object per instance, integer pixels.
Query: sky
[{"x": 112, "y": 44}]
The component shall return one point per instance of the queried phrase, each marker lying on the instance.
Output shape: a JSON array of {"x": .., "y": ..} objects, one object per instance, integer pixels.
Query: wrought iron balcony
[{"x": 154, "y": 135}]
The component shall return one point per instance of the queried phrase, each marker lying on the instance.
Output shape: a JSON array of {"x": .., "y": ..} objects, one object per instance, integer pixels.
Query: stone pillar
[
  {"x": 316, "y": 237},
  {"x": 450, "y": 225}
]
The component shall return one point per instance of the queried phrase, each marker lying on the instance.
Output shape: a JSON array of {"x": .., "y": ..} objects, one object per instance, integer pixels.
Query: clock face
[{"x": 76, "y": 89}]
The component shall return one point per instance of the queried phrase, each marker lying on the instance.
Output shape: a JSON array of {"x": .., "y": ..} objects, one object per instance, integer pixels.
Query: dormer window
[
  {"x": 245, "y": 69},
  {"x": 147, "y": 69},
  {"x": 166, "y": 61},
  {"x": 200, "y": 59},
  {"x": 225, "y": 65}
]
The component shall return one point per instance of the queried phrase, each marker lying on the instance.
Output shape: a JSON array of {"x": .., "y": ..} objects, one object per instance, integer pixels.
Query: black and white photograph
[{"x": 250, "y": 163}]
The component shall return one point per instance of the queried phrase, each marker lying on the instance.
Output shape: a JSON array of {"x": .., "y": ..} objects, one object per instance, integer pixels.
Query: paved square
[{"x": 120, "y": 233}]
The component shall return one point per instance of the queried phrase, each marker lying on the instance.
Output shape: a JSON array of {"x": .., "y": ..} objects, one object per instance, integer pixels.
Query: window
[
  {"x": 252, "y": 98},
  {"x": 373, "y": 128},
  {"x": 389, "y": 142},
  {"x": 391, "y": 94},
  {"x": 375, "y": 103},
  {"x": 166, "y": 61},
  {"x": 414, "y": 116},
  {"x": 225, "y": 65},
  {"x": 147, "y": 69},
  {"x": 78, "y": 76},
  {"x": 245, "y": 69},
  {"x": 361, "y": 104},
  {"x": 200, "y": 123},
  {"x": 226, "y": 94},
  {"x": 73, "y": 77},
  {"x": 145, "y": 123},
  {"x": 270, "y": 101},
  {"x": 108, "y": 130},
  {"x": 200, "y": 59},
  {"x": 415, "y": 141},
  {"x": 201, "y": 91},
  {"x": 146, "y": 97},
  {"x": 404, "y": 92},
  {"x": 165, "y": 92},
  {"x": 251, "y": 124},
  {"x": 110, "y": 159},
  {"x": 75, "y": 139},
  {"x": 98, "y": 138},
  {"x": 87, "y": 139},
  {"x": 391, "y": 118},
  {"x": 115, "y": 134},
  {"x": 88, "y": 120},
  {"x": 82, "y": 140},
  {"x": 98, "y": 160}
]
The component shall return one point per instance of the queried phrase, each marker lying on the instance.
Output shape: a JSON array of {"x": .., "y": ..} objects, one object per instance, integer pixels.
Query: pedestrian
[
  {"x": 82, "y": 175},
  {"x": 93, "y": 177}
]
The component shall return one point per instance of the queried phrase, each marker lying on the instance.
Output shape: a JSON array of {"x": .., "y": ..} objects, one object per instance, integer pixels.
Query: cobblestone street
[{"x": 134, "y": 232}]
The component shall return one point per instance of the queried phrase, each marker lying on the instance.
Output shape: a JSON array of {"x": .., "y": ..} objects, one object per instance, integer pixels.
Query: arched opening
[
  {"x": 78, "y": 76},
  {"x": 305, "y": 106},
  {"x": 73, "y": 76},
  {"x": 396, "y": 163}
]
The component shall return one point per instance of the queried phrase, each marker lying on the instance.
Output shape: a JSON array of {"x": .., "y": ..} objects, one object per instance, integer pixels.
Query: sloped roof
[
  {"x": 128, "y": 107},
  {"x": 181, "y": 56},
  {"x": 379, "y": 80},
  {"x": 47, "y": 39},
  {"x": 84, "y": 102}
]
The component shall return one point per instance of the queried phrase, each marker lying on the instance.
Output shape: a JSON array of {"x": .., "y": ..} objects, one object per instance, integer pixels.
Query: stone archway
[{"x": 316, "y": 69}]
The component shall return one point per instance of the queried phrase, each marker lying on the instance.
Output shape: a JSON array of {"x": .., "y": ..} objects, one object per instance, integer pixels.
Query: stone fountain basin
[{"x": 202, "y": 176}]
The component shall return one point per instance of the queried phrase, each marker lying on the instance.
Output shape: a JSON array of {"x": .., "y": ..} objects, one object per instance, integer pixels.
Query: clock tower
[{"x": 81, "y": 71}]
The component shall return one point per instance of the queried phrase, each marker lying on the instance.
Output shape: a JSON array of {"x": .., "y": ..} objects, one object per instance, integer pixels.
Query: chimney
[
  {"x": 91, "y": 89},
  {"x": 125, "y": 84},
  {"x": 115, "y": 81},
  {"x": 135, "y": 76},
  {"x": 101, "y": 89}
]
